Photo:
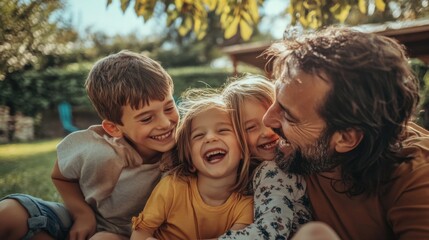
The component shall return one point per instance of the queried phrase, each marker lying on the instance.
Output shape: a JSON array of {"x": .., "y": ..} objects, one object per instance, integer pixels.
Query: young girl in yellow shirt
[{"x": 202, "y": 197}]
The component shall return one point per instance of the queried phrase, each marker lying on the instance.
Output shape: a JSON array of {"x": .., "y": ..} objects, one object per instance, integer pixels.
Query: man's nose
[{"x": 271, "y": 118}]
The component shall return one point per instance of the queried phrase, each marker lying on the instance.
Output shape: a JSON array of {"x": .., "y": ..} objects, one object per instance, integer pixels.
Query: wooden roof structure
[{"x": 414, "y": 35}]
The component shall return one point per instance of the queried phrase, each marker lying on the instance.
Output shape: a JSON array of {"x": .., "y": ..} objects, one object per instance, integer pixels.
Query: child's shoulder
[
  {"x": 183, "y": 181},
  {"x": 96, "y": 146},
  {"x": 85, "y": 136},
  {"x": 173, "y": 185}
]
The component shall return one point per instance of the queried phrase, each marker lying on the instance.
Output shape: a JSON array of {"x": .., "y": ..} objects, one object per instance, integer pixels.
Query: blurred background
[{"x": 47, "y": 48}]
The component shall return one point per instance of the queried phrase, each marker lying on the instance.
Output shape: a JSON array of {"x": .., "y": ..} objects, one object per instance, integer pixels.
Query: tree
[
  {"x": 242, "y": 16},
  {"x": 29, "y": 31}
]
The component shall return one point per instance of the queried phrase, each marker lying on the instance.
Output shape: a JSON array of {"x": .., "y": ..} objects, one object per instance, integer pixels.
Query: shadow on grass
[{"x": 28, "y": 174}]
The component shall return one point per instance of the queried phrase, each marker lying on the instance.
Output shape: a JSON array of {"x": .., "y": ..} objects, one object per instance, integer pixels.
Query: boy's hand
[{"x": 83, "y": 227}]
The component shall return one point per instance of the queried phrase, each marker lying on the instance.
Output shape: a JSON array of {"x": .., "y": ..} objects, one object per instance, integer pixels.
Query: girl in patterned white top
[{"x": 287, "y": 207}]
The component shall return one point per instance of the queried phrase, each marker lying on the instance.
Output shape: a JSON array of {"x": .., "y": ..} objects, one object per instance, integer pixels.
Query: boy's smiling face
[{"x": 152, "y": 128}]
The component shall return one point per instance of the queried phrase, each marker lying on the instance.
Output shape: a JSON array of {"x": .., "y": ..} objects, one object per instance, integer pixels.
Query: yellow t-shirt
[{"x": 175, "y": 210}]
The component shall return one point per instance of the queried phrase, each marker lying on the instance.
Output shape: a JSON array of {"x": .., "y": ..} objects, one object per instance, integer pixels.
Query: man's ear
[
  {"x": 111, "y": 128},
  {"x": 347, "y": 140}
]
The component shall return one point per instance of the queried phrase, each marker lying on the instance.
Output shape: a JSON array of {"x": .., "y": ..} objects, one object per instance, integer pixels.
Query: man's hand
[{"x": 315, "y": 231}]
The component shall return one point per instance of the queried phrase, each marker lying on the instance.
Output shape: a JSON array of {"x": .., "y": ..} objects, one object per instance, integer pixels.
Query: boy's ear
[
  {"x": 347, "y": 140},
  {"x": 111, "y": 128}
]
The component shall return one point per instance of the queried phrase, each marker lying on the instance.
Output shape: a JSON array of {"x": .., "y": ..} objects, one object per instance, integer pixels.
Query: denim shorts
[{"x": 48, "y": 216}]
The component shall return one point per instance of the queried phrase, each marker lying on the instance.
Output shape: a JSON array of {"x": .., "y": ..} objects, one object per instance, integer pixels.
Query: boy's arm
[{"x": 84, "y": 225}]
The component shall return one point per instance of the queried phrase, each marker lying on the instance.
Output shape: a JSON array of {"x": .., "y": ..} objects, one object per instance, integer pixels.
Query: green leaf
[
  {"x": 245, "y": 30},
  {"x": 231, "y": 30},
  {"x": 380, "y": 5},
  {"x": 171, "y": 17},
  {"x": 253, "y": 11},
  {"x": 362, "y": 6},
  {"x": 124, "y": 5},
  {"x": 343, "y": 14},
  {"x": 186, "y": 26}
]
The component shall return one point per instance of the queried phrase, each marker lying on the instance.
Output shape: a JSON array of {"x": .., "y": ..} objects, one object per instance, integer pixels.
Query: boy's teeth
[{"x": 162, "y": 137}]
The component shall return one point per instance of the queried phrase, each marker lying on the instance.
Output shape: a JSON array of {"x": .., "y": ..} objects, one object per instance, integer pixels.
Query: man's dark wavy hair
[{"x": 373, "y": 90}]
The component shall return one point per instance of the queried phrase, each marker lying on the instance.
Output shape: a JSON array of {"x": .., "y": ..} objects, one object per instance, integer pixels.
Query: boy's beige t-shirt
[{"x": 111, "y": 175}]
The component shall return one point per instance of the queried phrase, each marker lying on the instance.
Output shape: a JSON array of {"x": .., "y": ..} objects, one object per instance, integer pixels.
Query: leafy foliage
[
  {"x": 28, "y": 32},
  {"x": 242, "y": 16},
  {"x": 192, "y": 15},
  {"x": 31, "y": 92}
]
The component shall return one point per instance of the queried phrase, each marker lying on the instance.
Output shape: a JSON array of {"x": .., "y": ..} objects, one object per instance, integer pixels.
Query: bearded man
[{"x": 344, "y": 107}]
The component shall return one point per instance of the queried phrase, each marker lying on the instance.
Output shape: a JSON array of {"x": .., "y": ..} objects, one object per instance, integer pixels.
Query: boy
[{"x": 105, "y": 173}]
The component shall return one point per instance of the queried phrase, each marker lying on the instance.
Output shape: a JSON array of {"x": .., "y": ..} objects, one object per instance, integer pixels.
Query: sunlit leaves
[
  {"x": 340, "y": 11},
  {"x": 144, "y": 8},
  {"x": 124, "y": 4},
  {"x": 242, "y": 16},
  {"x": 190, "y": 16},
  {"x": 380, "y": 5},
  {"x": 317, "y": 13},
  {"x": 362, "y": 6},
  {"x": 26, "y": 33}
]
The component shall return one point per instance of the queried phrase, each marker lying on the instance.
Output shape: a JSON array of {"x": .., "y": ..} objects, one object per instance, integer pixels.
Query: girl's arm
[
  {"x": 84, "y": 224},
  {"x": 280, "y": 205},
  {"x": 142, "y": 234},
  {"x": 154, "y": 213}
]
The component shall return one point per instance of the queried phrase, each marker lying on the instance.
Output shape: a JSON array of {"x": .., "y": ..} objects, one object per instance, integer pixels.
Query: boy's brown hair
[{"x": 126, "y": 78}]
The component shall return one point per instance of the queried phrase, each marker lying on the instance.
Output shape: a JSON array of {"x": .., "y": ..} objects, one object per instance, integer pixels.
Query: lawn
[{"x": 26, "y": 168}]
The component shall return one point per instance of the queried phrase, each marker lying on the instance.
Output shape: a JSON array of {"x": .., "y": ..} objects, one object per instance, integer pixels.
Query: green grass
[{"x": 26, "y": 168}]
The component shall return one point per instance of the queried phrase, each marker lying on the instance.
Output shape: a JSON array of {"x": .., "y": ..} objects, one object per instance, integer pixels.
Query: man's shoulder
[
  {"x": 415, "y": 147},
  {"x": 413, "y": 171}
]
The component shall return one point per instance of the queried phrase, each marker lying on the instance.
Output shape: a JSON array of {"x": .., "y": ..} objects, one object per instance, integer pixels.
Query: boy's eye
[
  {"x": 169, "y": 109},
  {"x": 145, "y": 120}
]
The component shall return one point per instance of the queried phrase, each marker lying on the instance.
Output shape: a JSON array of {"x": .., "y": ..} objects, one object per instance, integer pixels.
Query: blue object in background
[{"x": 65, "y": 111}]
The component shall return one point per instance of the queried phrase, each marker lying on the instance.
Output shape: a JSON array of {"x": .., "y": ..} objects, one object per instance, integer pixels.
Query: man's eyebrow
[{"x": 288, "y": 112}]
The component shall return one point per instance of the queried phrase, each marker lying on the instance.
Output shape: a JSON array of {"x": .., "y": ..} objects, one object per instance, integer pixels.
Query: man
[{"x": 344, "y": 104}]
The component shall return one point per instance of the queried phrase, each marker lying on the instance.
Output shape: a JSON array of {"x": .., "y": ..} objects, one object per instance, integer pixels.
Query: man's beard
[{"x": 313, "y": 158}]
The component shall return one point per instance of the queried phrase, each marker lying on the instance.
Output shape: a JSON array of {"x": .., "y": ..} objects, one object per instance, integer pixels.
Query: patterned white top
[{"x": 281, "y": 205}]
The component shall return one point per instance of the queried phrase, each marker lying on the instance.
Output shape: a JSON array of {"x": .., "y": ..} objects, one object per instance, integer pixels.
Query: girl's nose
[
  {"x": 210, "y": 137},
  {"x": 267, "y": 132}
]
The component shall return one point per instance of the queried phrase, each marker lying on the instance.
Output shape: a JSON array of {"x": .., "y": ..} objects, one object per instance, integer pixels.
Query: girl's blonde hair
[
  {"x": 248, "y": 87},
  {"x": 193, "y": 103}
]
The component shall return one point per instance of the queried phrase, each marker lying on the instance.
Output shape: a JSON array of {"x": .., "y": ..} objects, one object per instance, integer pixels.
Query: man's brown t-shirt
[{"x": 402, "y": 212}]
